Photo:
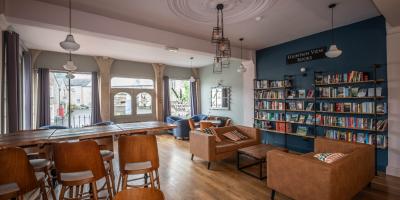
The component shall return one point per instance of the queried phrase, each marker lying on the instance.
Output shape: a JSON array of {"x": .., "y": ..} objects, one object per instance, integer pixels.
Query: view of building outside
[
  {"x": 81, "y": 99},
  {"x": 143, "y": 103},
  {"x": 122, "y": 104},
  {"x": 179, "y": 94}
]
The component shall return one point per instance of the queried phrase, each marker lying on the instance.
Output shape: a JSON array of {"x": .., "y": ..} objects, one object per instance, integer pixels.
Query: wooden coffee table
[{"x": 258, "y": 153}]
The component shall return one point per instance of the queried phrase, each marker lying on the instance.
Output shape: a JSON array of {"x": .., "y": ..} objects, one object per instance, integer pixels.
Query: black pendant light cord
[
  {"x": 70, "y": 17},
  {"x": 332, "y": 34},
  {"x": 241, "y": 49},
  {"x": 222, "y": 23}
]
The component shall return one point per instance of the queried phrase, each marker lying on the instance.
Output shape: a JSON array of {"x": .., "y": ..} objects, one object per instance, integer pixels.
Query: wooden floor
[{"x": 182, "y": 178}]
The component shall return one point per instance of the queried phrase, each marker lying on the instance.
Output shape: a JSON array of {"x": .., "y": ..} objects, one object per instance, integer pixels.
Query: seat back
[
  {"x": 79, "y": 156},
  {"x": 204, "y": 125},
  {"x": 138, "y": 148},
  {"x": 191, "y": 124},
  {"x": 15, "y": 168}
]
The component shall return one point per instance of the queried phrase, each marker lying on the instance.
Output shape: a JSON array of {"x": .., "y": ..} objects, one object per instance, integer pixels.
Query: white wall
[{"x": 393, "y": 70}]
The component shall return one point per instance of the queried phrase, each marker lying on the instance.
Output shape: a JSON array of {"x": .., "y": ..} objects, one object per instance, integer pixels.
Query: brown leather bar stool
[
  {"x": 17, "y": 176},
  {"x": 9, "y": 191},
  {"x": 106, "y": 145},
  {"x": 140, "y": 193},
  {"x": 138, "y": 154},
  {"x": 79, "y": 164}
]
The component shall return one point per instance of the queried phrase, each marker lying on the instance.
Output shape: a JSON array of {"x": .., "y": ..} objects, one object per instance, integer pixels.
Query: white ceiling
[
  {"x": 282, "y": 20},
  {"x": 99, "y": 45}
]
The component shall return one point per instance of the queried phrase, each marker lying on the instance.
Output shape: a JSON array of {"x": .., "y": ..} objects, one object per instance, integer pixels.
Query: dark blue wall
[{"x": 363, "y": 44}]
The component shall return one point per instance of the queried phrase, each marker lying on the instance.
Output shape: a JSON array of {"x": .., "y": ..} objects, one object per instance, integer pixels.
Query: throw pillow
[
  {"x": 210, "y": 131},
  {"x": 329, "y": 157},
  {"x": 240, "y": 135},
  {"x": 231, "y": 136}
]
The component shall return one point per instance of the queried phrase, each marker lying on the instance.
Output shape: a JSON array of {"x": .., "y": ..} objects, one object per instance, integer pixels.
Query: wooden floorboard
[{"x": 184, "y": 179}]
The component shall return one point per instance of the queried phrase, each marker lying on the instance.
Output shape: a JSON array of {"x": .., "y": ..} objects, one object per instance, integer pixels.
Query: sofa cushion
[
  {"x": 239, "y": 134},
  {"x": 231, "y": 136},
  {"x": 246, "y": 143},
  {"x": 329, "y": 157},
  {"x": 226, "y": 146},
  {"x": 210, "y": 131}
]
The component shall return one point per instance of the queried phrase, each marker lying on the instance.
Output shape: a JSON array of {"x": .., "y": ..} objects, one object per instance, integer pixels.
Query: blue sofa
[
  {"x": 199, "y": 117},
  {"x": 182, "y": 127}
]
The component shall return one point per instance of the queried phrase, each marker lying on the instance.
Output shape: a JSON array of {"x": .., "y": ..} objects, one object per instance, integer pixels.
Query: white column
[{"x": 393, "y": 71}]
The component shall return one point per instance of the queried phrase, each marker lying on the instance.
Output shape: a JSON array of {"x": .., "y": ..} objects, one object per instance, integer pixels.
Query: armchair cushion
[{"x": 225, "y": 146}]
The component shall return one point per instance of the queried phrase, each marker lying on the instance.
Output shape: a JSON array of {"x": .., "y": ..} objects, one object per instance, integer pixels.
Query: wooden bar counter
[{"x": 37, "y": 137}]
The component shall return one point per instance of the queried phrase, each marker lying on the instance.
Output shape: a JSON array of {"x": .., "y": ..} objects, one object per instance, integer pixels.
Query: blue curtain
[
  {"x": 11, "y": 82},
  {"x": 193, "y": 98},
  {"x": 167, "y": 106},
  {"x": 96, "y": 117},
  {"x": 43, "y": 97}
]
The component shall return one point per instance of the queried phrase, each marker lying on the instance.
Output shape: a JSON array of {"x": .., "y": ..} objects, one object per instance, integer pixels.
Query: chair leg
[
  {"x": 112, "y": 177},
  {"x": 273, "y": 194},
  {"x": 49, "y": 182},
  {"x": 110, "y": 192},
  {"x": 208, "y": 165},
  {"x": 158, "y": 179},
  {"x": 62, "y": 192},
  {"x": 43, "y": 190},
  {"x": 94, "y": 190},
  {"x": 119, "y": 181},
  {"x": 152, "y": 180},
  {"x": 124, "y": 181},
  {"x": 192, "y": 157}
]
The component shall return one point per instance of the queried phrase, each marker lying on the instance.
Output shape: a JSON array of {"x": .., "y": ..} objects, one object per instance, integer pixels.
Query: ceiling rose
[{"x": 204, "y": 11}]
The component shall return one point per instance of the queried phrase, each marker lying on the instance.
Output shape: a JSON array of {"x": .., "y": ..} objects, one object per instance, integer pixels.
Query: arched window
[
  {"x": 122, "y": 104},
  {"x": 143, "y": 103}
]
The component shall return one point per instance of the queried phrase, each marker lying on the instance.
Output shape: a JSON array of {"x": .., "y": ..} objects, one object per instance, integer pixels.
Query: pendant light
[
  {"x": 223, "y": 45},
  {"x": 70, "y": 67},
  {"x": 241, "y": 68},
  {"x": 333, "y": 51},
  {"x": 69, "y": 43}
]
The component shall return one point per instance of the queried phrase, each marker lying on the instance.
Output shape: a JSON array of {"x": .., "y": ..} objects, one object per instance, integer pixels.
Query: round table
[{"x": 140, "y": 193}]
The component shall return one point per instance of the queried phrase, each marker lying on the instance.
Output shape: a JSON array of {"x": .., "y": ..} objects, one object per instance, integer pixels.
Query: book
[
  {"x": 378, "y": 91},
  {"x": 302, "y": 118},
  {"x": 310, "y": 106},
  {"x": 360, "y": 137},
  {"x": 310, "y": 93},
  {"x": 302, "y": 94},
  {"x": 354, "y": 92},
  {"x": 362, "y": 92},
  {"x": 299, "y": 105},
  {"x": 310, "y": 119},
  {"x": 302, "y": 130},
  {"x": 371, "y": 92}
]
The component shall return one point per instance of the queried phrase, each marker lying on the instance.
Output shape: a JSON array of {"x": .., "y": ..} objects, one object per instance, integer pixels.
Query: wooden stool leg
[
  {"x": 119, "y": 181},
  {"x": 43, "y": 190},
  {"x": 62, "y": 192},
  {"x": 152, "y": 179},
  {"x": 158, "y": 179},
  {"x": 94, "y": 190},
  {"x": 110, "y": 192},
  {"x": 124, "y": 182},
  {"x": 112, "y": 176},
  {"x": 53, "y": 194}
]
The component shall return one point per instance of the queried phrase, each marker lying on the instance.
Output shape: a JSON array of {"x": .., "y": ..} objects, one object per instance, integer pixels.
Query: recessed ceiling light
[
  {"x": 259, "y": 18},
  {"x": 172, "y": 49}
]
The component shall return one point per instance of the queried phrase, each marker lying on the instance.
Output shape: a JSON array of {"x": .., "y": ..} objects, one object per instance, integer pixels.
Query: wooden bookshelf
[
  {"x": 300, "y": 99},
  {"x": 309, "y": 111},
  {"x": 286, "y": 133},
  {"x": 275, "y": 110},
  {"x": 349, "y": 128},
  {"x": 350, "y": 83},
  {"x": 350, "y": 113},
  {"x": 330, "y": 98},
  {"x": 271, "y": 88},
  {"x": 269, "y": 99}
]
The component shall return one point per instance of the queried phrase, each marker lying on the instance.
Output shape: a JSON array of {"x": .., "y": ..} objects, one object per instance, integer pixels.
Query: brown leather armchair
[
  {"x": 205, "y": 147},
  {"x": 305, "y": 177}
]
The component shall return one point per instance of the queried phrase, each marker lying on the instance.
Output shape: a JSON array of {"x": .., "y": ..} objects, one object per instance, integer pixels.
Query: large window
[
  {"x": 119, "y": 82},
  {"x": 81, "y": 99},
  {"x": 179, "y": 94},
  {"x": 122, "y": 104}
]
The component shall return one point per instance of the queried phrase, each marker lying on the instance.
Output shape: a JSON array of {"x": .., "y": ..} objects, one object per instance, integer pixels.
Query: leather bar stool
[
  {"x": 140, "y": 193},
  {"x": 79, "y": 164},
  {"x": 9, "y": 191},
  {"x": 106, "y": 145},
  {"x": 17, "y": 176},
  {"x": 138, "y": 154}
]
